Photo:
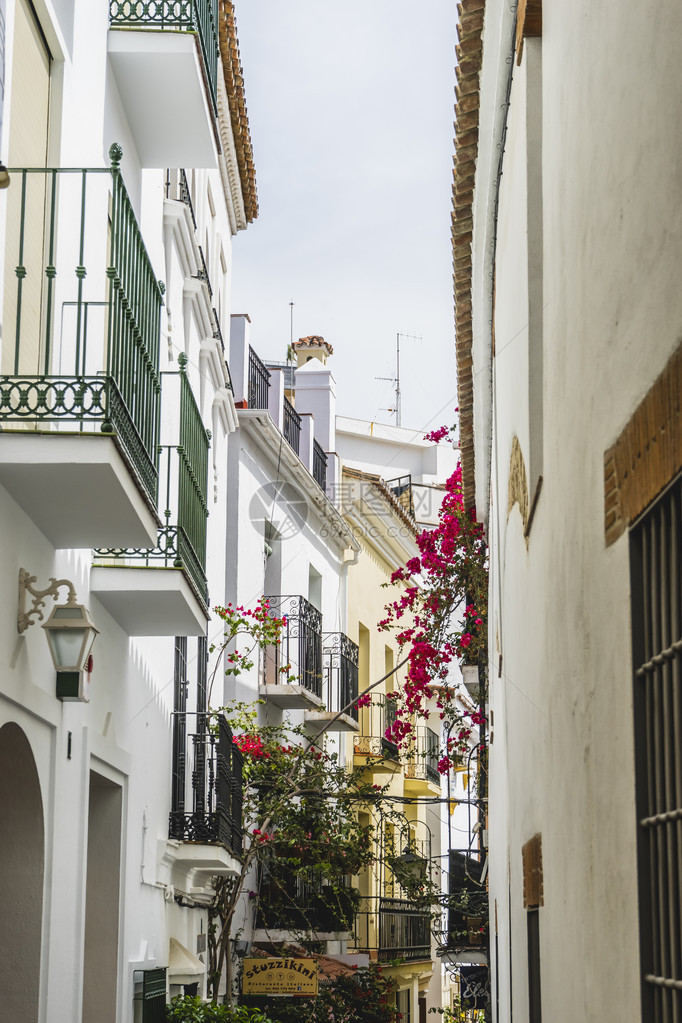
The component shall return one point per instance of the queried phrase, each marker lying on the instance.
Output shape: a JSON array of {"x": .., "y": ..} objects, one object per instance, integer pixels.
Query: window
[{"x": 656, "y": 586}]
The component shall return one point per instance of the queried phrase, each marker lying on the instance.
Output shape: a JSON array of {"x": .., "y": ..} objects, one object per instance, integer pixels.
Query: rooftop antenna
[{"x": 396, "y": 379}]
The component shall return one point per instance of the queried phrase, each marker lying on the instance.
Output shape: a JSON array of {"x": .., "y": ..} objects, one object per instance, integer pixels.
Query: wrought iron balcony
[
  {"x": 467, "y": 903},
  {"x": 292, "y": 426},
  {"x": 393, "y": 929},
  {"x": 375, "y": 720},
  {"x": 423, "y": 756},
  {"x": 199, "y": 17},
  {"x": 181, "y": 542},
  {"x": 304, "y": 903},
  {"x": 401, "y": 487},
  {"x": 319, "y": 465},
  {"x": 340, "y": 671},
  {"x": 177, "y": 188},
  {"x": 81, "y": 323},
  {"x": 339, "y": 684},
  {"x": 259, "y": 382},
  {"x": 292, "y": 670},
  {"x": 206, "y": 785}
]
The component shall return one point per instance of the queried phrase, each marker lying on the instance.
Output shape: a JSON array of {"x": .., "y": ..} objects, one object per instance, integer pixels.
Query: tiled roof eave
[
  {"x": 234, "y": 85},
  {"x": 469, "y": 59}
]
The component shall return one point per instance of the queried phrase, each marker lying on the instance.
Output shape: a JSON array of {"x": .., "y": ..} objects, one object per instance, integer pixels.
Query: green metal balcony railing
[
  {"x": 184, "y": 486},
  {"x": 81, "y": 313},
  {"x": 198, "y": 16}
]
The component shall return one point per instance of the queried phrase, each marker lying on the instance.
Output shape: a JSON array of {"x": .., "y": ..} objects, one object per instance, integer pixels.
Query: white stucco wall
[{"x": 562, "y": 752}]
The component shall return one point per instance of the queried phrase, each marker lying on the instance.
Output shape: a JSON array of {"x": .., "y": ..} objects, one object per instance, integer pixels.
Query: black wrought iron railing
[
  {"x": 198, "y": 16},
  {"x": 81, "y": 326},
  {"x": 177, "y": 188},
  {"x": 207, "y": 786},
  {"x": 218, "y": 335},
  {"x": 401, "y": 487},
  {"x": 392, "y": 929},
  {"x": 423, "y": 756},
  {"x": 319, "y": 465},
  {"x": 181, "y": 540},
  {"x": 340, "y": 673},
  {"x": 467, "y": 902},
  {"x": 375, "y": 719},
  {"x": 202, "y": 274},
  {"x": 305, "y": 902},
  {"x": 259, "y": 382},
  {"x": 292, "y": 426},
  {"x": 298, "y": 658}
]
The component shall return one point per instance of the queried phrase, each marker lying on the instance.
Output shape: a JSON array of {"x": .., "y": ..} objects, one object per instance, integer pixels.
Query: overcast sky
[{"x": 351, "y": 108}]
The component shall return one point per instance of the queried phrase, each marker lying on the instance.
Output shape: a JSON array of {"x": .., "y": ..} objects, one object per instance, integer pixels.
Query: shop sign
[{"x": 279, "y": 977}]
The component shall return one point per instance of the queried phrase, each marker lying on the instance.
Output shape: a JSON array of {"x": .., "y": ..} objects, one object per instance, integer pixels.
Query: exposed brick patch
[
  {"x": 533, "y": 884},
  {"x": 647, "y": 454}
]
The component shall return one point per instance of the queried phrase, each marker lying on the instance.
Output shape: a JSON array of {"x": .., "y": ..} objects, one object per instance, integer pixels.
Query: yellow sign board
[{"x": 279, "y": 977}]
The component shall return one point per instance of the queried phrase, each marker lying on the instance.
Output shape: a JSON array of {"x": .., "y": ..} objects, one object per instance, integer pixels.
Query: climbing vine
[{"x": 440, "y": 617}]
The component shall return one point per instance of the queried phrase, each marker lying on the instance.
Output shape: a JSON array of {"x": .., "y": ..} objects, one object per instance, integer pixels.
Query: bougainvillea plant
[
  {"x": 300, "y": 821},
  {"x": 440, "y": 617}
]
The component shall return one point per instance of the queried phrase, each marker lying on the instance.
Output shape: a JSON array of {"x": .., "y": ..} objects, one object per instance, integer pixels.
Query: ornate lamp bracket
[{"x": 26, "y": 585}]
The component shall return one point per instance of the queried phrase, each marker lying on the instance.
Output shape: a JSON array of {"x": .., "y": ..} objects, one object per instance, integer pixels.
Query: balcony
[
  {"x": 292, "y": 426},
  {"x": 319, "y": 466},
  {"x": 165, "y": 58},
  {"x": 80, "y": 388},
  {"x": 372, "y": 743},
  {"x": 422, "y": 759},
  {"x": 258, "y": 382},
  {"x": 205, "y": 823},
  {"x": 392, "y": 929},
  {"x": 303, "y": 904},
  {"x": 339, "y": 684},
  {"x": 401, "y": 488},
  {"x": 291, "y": 673},
  {"x": 161, "y": 590},
  {"x": 468, "y": 914}
]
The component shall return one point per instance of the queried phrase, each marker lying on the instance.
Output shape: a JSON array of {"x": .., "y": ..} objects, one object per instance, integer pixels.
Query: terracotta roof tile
[
  {"x": 469, "y": 55},
  {"x": 234, "y": 84}
]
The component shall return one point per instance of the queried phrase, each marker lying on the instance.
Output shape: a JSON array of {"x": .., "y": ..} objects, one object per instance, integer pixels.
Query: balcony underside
[
  {"x": 421, "y": 783},
  {"x": 289, "y": 697},
  {"x": 472, "y": 956},
  {"x": 160, "y": 81},
  {"x": 339, "y": 723},
  {"x": 280, "y": 935},
  {"x": 193, "y": 864},
  {"x": 149, "y": 601},
  {"x": 77, "y": 488}
]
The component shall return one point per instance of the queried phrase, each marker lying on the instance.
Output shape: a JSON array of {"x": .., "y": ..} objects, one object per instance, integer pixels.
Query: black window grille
[
  {"x": 179, "y": 724},
  {"x": 259, "y": 382},
  {"x": 534, "y": 999},
  {"x": 656, "y": 587},
  {"x": 292, "y": 426}
]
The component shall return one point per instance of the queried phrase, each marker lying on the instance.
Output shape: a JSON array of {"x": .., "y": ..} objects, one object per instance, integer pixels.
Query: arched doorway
[{"x": 22, "y": 862}]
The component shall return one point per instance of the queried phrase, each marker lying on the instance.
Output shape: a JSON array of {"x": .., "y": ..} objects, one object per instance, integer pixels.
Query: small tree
[{"x": 301, "y": 825}]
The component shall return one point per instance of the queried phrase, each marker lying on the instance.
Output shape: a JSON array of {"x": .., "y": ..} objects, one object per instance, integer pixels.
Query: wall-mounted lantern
[{"x": 70, "y": 633}]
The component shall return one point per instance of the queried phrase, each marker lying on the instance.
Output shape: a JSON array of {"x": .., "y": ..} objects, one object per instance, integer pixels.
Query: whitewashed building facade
[
  {"x": 567, "y": 243},
  {"x": 116, "y": 409}
]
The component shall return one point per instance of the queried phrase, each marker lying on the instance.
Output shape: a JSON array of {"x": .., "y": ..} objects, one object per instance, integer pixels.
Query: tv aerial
[{"x": 396, "y": 379}]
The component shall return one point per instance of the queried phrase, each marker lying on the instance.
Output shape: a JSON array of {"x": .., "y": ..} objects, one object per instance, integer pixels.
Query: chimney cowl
[{"x": 312, "y": 346}]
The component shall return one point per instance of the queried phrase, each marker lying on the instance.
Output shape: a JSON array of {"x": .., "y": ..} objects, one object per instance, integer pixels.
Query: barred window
[{"x": 656, "y": 577}]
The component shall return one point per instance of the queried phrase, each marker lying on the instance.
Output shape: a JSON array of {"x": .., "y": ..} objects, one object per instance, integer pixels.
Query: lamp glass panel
[{"x": 67, "y": 645}]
